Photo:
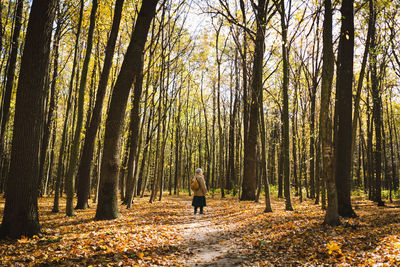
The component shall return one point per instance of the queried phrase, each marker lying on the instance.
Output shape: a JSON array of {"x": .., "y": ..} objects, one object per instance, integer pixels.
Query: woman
[{"x": 199, "y": 199}]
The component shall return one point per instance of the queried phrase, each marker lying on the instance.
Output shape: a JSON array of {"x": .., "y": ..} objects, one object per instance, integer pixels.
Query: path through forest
[{"x": 209, "y": 245}]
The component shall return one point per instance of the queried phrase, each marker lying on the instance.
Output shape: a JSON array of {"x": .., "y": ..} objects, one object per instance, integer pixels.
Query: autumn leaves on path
[
  {"x": 231, "y": 233},
  {"x": 209, "y": 242}
]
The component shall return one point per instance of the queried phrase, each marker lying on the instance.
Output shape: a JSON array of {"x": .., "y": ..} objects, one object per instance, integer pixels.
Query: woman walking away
[{"x": 198, "y": 185}]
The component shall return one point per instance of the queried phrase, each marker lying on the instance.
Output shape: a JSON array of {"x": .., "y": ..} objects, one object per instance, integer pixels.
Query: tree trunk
[
  {"x": 318, "y": 180},
  {"x": 268, "y": 207},
  {"x": 285, "y": 108},
  {"x": 376, "y": 111},
  {"x": 220, "y": 130},
  {"x": 69, "y": 179},
  {"x": 10, "y": 76},
  {"x": 231, "y": 170},
  {"x": 343, "y": 110},
  {"x": 21, "y": 207},
  {"x": 294, "y": 134},
  {"x": 325, "y": 128},
  {"x": 1, "y": 27},
  {"x": 250, "y": 156},
  {"x": 134, "y": 131},
  {"x": 371, "y": 193},
  {"x": 62, "y": 154},
  {"x": 280, "y": 168},
  {"x": 361, "y": 78},
  {"x": 393, "y": 159},
  {"x": 312, "y": 139},
  {"x": 52, "y": 96},
  {"x": 132, "y": 65},
  {"x": 84, "y": 170}
]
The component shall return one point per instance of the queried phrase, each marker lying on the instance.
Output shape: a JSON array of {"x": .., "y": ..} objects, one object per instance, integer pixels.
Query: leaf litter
[{"x": 231, "y": 233}]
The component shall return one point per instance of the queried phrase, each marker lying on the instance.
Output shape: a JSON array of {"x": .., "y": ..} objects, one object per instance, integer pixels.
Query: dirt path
[{"x": 209, "y": 244}]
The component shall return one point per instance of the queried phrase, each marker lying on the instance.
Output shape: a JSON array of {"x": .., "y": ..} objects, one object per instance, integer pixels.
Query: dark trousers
[{"x": 201, "y": 210}]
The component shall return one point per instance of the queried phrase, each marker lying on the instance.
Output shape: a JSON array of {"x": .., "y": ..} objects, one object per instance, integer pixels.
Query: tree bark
[
  {"x": 268, "y": 207},
  {"x": 343, "y": 110},
  {"x": 134, "y": 130},
  {"x": 132, "y": 65},
  {"x": 250, "y": 155},
  {"x": 69, "y": 179},
  {"x": 325, "y": 128},
  {"x": 361, "y": 78},
  {"x": 52, "y": 96},
  {"x": 21, "y": 207},
  {"x": 376, "y": 111},
  {"x": 62, "y": 153},
  {"x": 84, "y": 170},
  {"x": 285, "y": 108},
  {"x": 10, "y": 76}
]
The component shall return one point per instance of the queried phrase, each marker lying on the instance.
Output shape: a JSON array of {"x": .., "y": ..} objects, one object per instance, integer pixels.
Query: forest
[{"x": 289, "y": 107}]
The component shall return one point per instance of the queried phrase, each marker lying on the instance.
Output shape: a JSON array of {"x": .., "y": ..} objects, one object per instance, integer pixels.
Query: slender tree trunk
[
  {"x": 144, "y": 157},
  {"x": 1, "y": 27},
  {"x": 246, "y": 100},
  {"x": 52, "y": 97},
  {"x": 62, "y": 164},
  {"x": 231, "y": 170},
  {"x": 124, "y": 166},
  {"x": 392, "y": 153},
  {"x": 268, "y": 207},
  {"x": 294, "y": 134},
  {"x": 134, "y": 130},
  {"x": 69, "y": 179},
  {"x": 177, "y": 150},
  {"x": 285, "y": 108},
  {"x": 21, "y": 208},
  {"x": 387, "y": 180},
  {"x": 325, "y": 128},
  {"x": 303, "y": 156},
  {"x": 312, "y": 139},
  {"x": 220, "y": 130},
  {"x": 376, "y": 111},
  {"x": 52, "y": 155},
  {"x": 371, "y": 193},
  {"x": 98, "y": 172},
  {"x": 10, "y": 76},
  {"x": 280, "y": 168},
  {"x": 361, "y": 77},
  {"x": 317, "y": 171}
]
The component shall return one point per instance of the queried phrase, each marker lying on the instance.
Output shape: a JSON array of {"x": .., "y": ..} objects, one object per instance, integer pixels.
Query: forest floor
[{"x": 231, "y": 233}]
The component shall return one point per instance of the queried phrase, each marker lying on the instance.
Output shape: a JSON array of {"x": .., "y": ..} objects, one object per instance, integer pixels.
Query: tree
[
  {"x": 132, "y": 65},
  {"x": 376, "y": 110},
  {"x": 62, "y": 152},
  {"x": 285, "y": 107},
  {"x": 250, "y": 154},
  {"x": 21, "y": 208},
  {"x": 69, "y": 179},
  {"x": 10, "y": 78},
  {"x": 53, "y": 94},
  {"x": 343, "y": 110},
  {"x": 84, "y": 170},
  {"x": 325, "y": 123}
]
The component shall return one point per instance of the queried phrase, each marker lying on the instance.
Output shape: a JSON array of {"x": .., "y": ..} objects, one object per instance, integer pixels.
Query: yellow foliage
[
  {"x": 140, "y": 255},
  {"x": 333, "y": 248}
]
